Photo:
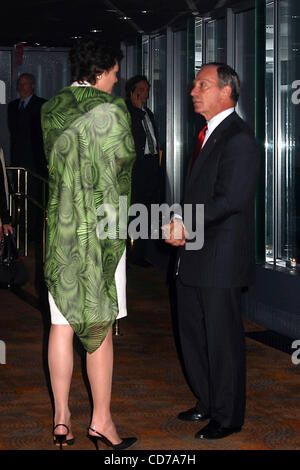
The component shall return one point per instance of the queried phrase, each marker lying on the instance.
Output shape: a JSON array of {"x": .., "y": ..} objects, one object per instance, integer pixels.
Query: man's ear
[{"x": 226, "y": 91}]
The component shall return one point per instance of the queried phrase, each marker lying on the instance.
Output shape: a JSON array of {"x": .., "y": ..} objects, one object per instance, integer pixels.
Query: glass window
[
  {"x": 245, "y": 63},
  {"x": 269, "y": 141},
  {"x": 159, "y": 86},
  {"x": 288, "y": 138},
  {"x": 282, "y": 133},
  {"x": 5, "y": 97},
  {"x": 198, "y": 44},
  {"x": 145, "y": 57},
  {"x": 216, "y": 40},
  {"x": 51, "y": 69},
  {"x": 181, "y": 99}
]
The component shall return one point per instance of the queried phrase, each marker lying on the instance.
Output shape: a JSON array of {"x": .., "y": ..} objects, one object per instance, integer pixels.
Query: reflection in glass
[
  {"x": 245, "y": 63},
  {"x": 282, "y": 133},
  {"x": 51, "y": 69},
  {"x": 158, "y": 88},
  {"x": 198, "y": 44},
  {"x": 288, "y": 138},
  {"x": 181, "y": 99},
  {"x": 145, "y": 58},
  {"x": 216, "y": 41},
  {"x": 269, "y": 142},
  {"x": 5, "y": 97}
]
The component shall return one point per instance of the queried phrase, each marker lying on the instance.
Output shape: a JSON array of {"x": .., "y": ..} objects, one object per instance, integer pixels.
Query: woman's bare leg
[
  {"x": 60, "y": 359},
  {"x": 100, "y": 369}
]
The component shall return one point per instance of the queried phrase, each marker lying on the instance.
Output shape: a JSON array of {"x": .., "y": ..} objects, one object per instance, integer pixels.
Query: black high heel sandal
[
  {"x": 124, "y": 444},
  {"x": 61, "y": 439}
]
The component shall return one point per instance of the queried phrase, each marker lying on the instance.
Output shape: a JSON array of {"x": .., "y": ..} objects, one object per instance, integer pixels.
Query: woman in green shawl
[{"x": 90, "y": 153}]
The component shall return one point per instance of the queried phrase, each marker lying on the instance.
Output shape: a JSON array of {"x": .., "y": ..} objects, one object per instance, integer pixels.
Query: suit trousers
[{"x": 212, "y": 344}]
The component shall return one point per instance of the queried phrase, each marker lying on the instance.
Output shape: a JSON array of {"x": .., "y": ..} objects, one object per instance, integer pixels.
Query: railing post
[
  {"x": 26, "y": 211},
  {"x": 116, "y": 328}
]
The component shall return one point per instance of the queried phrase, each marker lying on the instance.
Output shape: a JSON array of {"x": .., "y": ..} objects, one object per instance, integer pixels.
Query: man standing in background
[
  {"x": 26, "y": 145},
  {"x": 24, "y": 123},
  {"x": 147, "y": 177}
]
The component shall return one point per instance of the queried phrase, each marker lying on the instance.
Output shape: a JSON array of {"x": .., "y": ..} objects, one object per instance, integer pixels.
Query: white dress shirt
[
  {"x": 213, "y": 123},
  {"x": 151, "y": 130}
]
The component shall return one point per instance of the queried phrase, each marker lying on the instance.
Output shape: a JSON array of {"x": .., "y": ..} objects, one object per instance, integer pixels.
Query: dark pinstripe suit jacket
[{"x": 224, "y": 180}]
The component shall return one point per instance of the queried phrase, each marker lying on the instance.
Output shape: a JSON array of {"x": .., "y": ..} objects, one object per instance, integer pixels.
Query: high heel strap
[{"x": 96, "y": 432}]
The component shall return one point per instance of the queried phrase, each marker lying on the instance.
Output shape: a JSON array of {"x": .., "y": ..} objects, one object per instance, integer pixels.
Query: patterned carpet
[{"x": 148, "y": 388}]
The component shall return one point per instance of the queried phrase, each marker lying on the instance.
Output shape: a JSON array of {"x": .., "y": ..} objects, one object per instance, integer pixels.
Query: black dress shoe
[
  {"x": 192, "y": 415},
  {"x": 213, "y": 430}
]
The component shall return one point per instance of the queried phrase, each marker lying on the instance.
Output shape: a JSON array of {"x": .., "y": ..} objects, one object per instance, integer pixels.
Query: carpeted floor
[{"x": 149, "y": 389}]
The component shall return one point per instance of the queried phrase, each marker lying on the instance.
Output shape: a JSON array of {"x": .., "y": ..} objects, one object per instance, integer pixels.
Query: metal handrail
[{"x": 21, "y": 192}]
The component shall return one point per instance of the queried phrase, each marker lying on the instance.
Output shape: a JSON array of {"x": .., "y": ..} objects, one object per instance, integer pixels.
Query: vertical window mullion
[{"x": 277, "y": 137}]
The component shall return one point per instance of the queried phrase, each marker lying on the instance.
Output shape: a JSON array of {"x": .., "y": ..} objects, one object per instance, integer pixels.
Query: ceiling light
[
  {"x": 96, "y": 31},
  {"x": 126, "y": 18}
]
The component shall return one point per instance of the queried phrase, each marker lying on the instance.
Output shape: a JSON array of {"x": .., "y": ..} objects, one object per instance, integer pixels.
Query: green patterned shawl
[{"x": 90, "y": 151}]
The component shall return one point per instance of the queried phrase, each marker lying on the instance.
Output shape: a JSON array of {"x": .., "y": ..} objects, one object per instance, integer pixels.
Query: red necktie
[{"x": 199, "y": 143}]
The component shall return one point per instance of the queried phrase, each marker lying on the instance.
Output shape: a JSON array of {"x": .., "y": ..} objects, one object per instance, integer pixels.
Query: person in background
[
  {"x": 27, "y": 147},
  {"x": 90, "y": 150},
  {"x": 147, "y": 171},
  {"x": 24, "y": 123}
]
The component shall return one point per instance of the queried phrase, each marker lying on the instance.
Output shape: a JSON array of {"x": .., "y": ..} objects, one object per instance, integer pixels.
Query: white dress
[{"x": 57, "y": 317}]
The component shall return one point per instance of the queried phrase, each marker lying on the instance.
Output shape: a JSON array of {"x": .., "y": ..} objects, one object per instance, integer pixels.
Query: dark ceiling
[{"x": 58, "y": 22}]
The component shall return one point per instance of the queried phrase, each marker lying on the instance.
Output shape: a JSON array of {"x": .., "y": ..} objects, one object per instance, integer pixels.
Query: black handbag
[{"x": 12, "y": 268}]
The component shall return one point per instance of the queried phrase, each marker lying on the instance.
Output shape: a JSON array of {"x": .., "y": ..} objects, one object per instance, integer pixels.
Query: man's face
[
  {"x": 25, "y": 87},
  {"x": 142, "y": 91},
  {"x": 208, "y": 98}
]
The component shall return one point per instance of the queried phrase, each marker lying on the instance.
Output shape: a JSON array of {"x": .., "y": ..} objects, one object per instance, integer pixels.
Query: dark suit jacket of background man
[
  {"x": 224, "y": 180},
  {"x": 26, "y": 138},
  {"x": 147, "y": 179},
  {"x": 27, "y": 150}
]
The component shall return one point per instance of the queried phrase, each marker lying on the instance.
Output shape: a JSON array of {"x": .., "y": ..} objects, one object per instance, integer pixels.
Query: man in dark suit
[
  {"x": 26, "y": 144},
  {"x": 221, "y": 176},
  {"x": 146, "y": 174},
  {"x": 24, "y": 123}
]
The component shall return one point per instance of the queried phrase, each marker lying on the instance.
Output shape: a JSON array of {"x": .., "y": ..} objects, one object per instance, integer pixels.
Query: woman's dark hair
[
  {"x": 227, "y": 76},
  {"x": 132, "y": 82},
  {"x": 90, "y": 57}
]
